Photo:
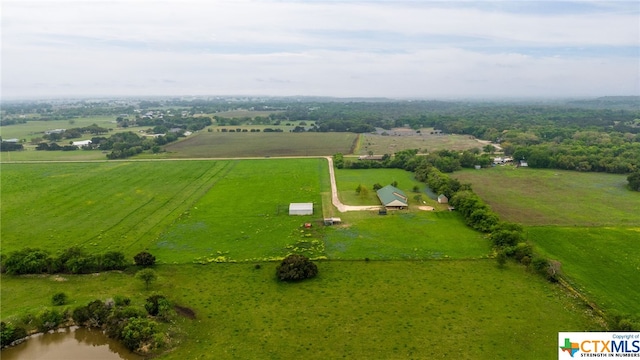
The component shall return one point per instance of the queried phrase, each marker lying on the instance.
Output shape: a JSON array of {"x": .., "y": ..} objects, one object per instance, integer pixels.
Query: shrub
[
  {"x": 59, "y": 299},
  {"x": 138, "y": 333},
  {"x": 27, "y": 261},
  {"x": 48, "y": 319},
  {"x": 10, "y": 333},
  {"x": 113, "y": 260},
  {"x": 296, "y": 267},
  {"x": 144, "y": 259},
  {"x": 147, "y": 276},
  {"x": 158, "y": 305},
  {"x": 121, "y": 300}
]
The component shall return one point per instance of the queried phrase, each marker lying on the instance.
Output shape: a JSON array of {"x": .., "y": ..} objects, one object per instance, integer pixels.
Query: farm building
[
  {"x": 442, "y": 199},
  {"x": 392, "y": 197},
  {"x": 301, "y": 209},
  {"x": 81, "y": 143}
]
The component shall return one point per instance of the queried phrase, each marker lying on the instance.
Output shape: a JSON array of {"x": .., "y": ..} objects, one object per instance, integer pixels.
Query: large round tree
[{"x": 296, "y": 267}]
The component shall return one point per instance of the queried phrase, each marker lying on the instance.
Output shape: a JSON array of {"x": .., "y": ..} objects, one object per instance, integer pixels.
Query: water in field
[{"x": 69, "y": 344}]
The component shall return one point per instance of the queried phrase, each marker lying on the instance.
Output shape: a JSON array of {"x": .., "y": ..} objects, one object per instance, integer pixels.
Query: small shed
[
  {"x": 442, "y": 199},
  {"x": 301, "y": 209},
  {"x": 332, "y": 221}
]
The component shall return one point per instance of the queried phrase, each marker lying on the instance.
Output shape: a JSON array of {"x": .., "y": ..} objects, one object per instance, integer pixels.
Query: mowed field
[
  {"x": 352, "y": 310},
  {"x": 260, "y": 144},
  {"x": 99, "y": 205},
  {"x": 588, "y": 221}
]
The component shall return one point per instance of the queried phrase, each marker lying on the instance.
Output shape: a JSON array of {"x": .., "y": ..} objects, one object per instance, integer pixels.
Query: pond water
[{"x": 69, "y": 344}]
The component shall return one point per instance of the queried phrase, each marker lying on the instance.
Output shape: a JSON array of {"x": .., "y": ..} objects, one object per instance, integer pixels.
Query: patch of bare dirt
[
  {"x": 426, "y": 208},
  {"x": 185, "y": 311}
]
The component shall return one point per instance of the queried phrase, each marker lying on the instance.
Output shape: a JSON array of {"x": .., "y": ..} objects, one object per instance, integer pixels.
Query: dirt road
[{"x": 334, "y": 194}]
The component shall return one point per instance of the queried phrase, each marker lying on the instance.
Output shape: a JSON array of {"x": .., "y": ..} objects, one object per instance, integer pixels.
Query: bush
[
  {"x": 121, "y": 300},
  {"x": 48, "y": 320},
  {"x": 296, "y": 267},
  {"x": 158, "y": 305},
  {"x": 144, "y": 259},
  {"x": 10, "y": 333},
  {"x": 27, "y": 261},
  {"x": 139, "y": 332},
  {"x": 59, "y": 299},
  {"x": 113, "y": 260}
]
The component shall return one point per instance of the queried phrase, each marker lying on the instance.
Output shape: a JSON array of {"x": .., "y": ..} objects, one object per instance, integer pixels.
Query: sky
[{"x": 394, "y": 49}]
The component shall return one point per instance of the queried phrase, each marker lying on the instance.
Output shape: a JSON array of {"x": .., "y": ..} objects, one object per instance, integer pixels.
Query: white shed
[{"x": 301, "y": 209}]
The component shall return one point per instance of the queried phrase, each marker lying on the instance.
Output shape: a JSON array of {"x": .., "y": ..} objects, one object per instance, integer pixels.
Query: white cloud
[{"x": 382, "y": 48}]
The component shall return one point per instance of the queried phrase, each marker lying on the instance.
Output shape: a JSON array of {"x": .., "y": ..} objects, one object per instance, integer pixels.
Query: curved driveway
[{"x": 334, "y": 194}]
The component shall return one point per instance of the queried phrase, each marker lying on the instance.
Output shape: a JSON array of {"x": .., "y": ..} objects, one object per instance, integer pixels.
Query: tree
[
  {"x": 147, "y": 276},
  {"x": 634, "y": 181},
  {"x": 296, "y": 267},
  {"x": 377, "y": 186},
  {"x": 144, "y": 259}
]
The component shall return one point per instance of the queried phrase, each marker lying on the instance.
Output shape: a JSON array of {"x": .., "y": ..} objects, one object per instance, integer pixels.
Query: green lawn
[
  {"x": 603, "y": 263},
  {"x": 353, "y": 309},
  {"x": 556, "y": 197},
  {"x": 404, "y": 235}
]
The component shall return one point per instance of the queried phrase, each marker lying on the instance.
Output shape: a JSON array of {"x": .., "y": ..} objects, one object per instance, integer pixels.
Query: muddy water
[{"x": 69, "y": 344}]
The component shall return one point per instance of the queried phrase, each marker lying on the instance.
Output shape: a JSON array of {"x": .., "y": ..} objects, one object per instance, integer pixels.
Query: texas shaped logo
[{"x": 570, "y": 347}]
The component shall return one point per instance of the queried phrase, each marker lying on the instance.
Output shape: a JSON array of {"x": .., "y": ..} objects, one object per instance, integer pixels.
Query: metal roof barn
[{"x": 301, "y": 209}]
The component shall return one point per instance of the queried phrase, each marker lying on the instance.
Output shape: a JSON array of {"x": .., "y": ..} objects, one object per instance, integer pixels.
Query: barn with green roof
[{"x": 392, "y": 197}]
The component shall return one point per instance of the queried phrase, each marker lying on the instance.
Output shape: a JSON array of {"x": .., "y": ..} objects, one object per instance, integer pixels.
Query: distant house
[
  {"x": 14, "y": 140},
  {"x": 55, "y": 131},
  {"x": 442, "y": 199},
  {"x": 301, "y": 209},
  {"x": 371, "y": 157},
  {"x": 392, "y": 197},
  {"x": 523, "y": 163},
  {"x": 332, "y": 221},
  {"x": 81, "y": 143}
]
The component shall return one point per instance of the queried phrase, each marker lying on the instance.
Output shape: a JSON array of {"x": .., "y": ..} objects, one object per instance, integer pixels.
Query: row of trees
[{"x": 73, "y": 260}]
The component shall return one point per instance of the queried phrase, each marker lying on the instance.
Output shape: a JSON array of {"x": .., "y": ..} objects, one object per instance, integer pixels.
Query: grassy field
[
  {"x": 105, "y": 205},
  {"x": 246, "y": 214},
  {"x": 595, "y": 225},
  {"x": 353, "y": 310},
  {"x": 603, "y": 263},
  {"x": 381, "y": 144},
  {"x": 556, "y": 197},
  {"x": 218, "y": 144}
]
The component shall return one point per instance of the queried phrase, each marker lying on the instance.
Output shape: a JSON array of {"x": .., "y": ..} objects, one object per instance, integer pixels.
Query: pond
[{"x": 67, "y": 344}]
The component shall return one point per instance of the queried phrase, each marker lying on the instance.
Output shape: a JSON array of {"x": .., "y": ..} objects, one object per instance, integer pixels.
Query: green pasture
[
  {"x": 555, "y": 197},
  {"x": 382, "y": 144},
  {"x": 601, "y": 262},
  {"x": 409, "y": 235},
  {"x": 260, "y": 144},
  {"x": 245, "y": 215},
  {"x": 99, "y": 205},
  {"x": 353, "y": 309}
]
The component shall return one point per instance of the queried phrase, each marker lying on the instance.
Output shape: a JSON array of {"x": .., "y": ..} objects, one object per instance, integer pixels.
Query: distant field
[
  {"x": 380, "y": 144},
  {"x": 218, "y": 144},
  {"x": 353, "y": 309},
  {"x": 555, "y": 197},
  {"x": 603, "y": 263},
  {"x": 101, "y": 206}
]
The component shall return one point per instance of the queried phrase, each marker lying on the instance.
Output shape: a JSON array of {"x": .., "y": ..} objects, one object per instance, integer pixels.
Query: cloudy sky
[{"x": 397, "y": 49}]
